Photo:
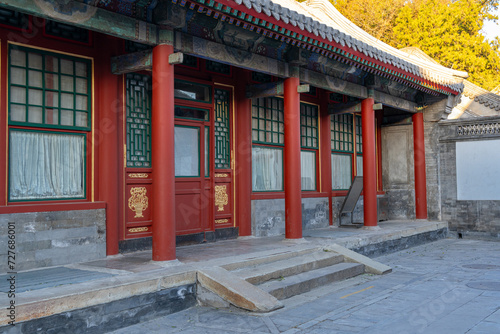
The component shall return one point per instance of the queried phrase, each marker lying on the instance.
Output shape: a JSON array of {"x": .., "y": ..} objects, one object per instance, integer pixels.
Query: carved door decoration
[
  {"x": 138, "y": 181},
  {"x": 223, "y": 169}
]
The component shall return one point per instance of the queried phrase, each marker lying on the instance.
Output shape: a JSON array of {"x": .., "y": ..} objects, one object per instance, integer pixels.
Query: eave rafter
[{"x": 272, "y": 28}]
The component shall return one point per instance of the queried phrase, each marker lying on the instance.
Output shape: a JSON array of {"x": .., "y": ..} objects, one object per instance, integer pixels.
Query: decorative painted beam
[
  {"x": 265, "y": 90},
  {"x": 229, "y": 55},
  {"x": 132, "y": 62},
  {"x": 349, "y": 108},
  {"x": 332, "y": 84},
  {"x": 395, "y": 102},
  {"x": 92, "y": 18}
]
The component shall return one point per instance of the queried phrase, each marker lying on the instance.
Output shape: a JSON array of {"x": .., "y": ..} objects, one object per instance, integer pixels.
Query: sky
[{"x": 491, "y": 29}]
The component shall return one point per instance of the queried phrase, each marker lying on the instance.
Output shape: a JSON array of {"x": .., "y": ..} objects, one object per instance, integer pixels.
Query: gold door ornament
[
  {"x": 221, "y": 198},
  {"x": 138, "y": 202}
]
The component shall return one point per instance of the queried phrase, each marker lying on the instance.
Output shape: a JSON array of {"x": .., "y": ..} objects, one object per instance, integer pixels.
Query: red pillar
[
  {"x": 243, "y": 154},
  {"x": 419, "y": 162},
  {"x": 325, "y": 159},
  {"x": 293, "y": 201},
  {"x": 107, "y": 142},
  {"x": 369, "y": 163},
  {"x": 162, "y": 142}
]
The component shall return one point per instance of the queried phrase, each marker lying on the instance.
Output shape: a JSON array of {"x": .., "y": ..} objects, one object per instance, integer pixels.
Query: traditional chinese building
[{"x": 136, "y": 124}]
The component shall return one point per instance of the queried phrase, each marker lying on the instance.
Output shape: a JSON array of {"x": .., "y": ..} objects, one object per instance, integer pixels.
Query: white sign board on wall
[{"x": 478, "y": 170}]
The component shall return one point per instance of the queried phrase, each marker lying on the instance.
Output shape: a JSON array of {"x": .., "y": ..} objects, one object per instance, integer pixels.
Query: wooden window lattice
[
  {"x": 359, "y": 136},
  {"x": 67, "y": 31},
  {"x": 14, "y": 19},
  {"x": 216, "y": 67},
  {"x": 268, "y": 121},
  {"x": 309, "y": 125},
  {"x": 49, "y": 89},
  {"x": 222, "y": 133},
  {"x": 342, "y": 133},
  {"x": 138, "y": 121}
]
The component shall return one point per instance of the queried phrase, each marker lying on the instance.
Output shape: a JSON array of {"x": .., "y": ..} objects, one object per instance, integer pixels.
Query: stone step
[
  {"x": 236, "y": 291},
  {"x": 266, "y": 257},
  {"x": 291, "y": 266},
  {"x": 304, "y": 282}
]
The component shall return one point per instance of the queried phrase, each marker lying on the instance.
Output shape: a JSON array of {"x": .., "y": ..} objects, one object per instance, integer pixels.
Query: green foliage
[{"x": 449, "y": 31}]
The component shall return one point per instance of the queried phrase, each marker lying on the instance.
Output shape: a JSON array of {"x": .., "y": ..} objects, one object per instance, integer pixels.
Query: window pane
[
  {"x": 192, "y": 91},
  {"x": 35, "y": 115},
  {"x": 46, "y": 166},
  {"x": 81, "y": 69},
  {"x": 17, "y": 113},
  {"x": 67, "y": 83},
  {"x": 18, "y": 95},
  {"x": 35, "y": 96},
  {"x": 51, "y": 116},
  {"x": 66, "y": 66},
  {"x": 35, "y": 61},
  {"x": 18, "y": 76},
  {"x": 267, "y": 169},
  {"x": 359, "y": 165},
  {"x": 207, "y": 151},
  {"x": 81, "y": 119},
  {"x": 35, "y": 79},
  {"x": 308, "y": 170},
  {"x": 187, "y": 151},
  {"x": 51, "y": 99},
  {"x": 51, "y": 81},
  {"x": 18, "y": 57},
  {"x": 81, "y": 85},
  {"x": 66, "y": 117},
  {"x": 341, "y": 171}
]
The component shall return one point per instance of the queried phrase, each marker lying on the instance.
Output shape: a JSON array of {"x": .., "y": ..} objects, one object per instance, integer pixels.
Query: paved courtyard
[{"x": 448, "y": 286}]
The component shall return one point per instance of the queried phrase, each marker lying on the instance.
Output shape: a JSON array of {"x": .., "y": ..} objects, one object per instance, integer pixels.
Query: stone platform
[{"x": 126, "y": 289}]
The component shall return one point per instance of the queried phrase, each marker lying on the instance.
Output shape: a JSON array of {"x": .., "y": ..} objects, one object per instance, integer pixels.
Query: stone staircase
[{"x": 279, "y": 276}]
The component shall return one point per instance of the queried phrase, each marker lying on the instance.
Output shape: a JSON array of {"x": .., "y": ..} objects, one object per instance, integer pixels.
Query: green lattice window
[
  {"x": 309, "y": 125},
  {"x": 49, "y": 89},
  {"x": 66, "y": 31},
  {"x": 222, "y": 129},
  {"x": 14, "y": 19},
  {"x": 359, "y": 136},
  {"x": 268, "y": 121},
  {"x": 216, "y": 67},
  {"x": 138, "y": 125},
  {"x": 341, "y": 128}
]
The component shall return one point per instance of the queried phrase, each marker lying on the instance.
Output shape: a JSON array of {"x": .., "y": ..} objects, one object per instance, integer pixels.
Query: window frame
[
  {"x": 310, "y": 148},
  {"x": 354, "y": 149},
  {"x": 86, "y": 132}
]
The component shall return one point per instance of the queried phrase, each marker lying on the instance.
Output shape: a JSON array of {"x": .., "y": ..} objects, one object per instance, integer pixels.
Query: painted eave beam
[
  {"x": 265, "y": 90},
  {"x": 132, "y": 62},
  {"x": 349, "y": 108},
  {"x": 394, "y": 102},
  {"x": 243, "y": 59},
  {"x": 89, "y": 17}
]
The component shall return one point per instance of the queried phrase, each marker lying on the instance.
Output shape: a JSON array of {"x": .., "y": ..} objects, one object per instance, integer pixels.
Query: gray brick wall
[
  {"x": 268, "y": 216},
  {"x": 478, "y": 218},
  {"x": 46, "y": 239}
]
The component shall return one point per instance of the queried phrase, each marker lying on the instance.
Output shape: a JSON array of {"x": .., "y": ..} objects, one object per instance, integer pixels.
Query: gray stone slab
[{"x": 44, "y": 278}]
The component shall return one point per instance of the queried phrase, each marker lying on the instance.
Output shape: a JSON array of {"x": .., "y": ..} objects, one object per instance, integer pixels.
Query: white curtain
[
  {"x": 308, "y": 170},
  {"x": 267, "y": 169},
  {"x": 359, "y": 165},
  {"x": 46, "y": 165},
  {"x": 341, "y": 171}
]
